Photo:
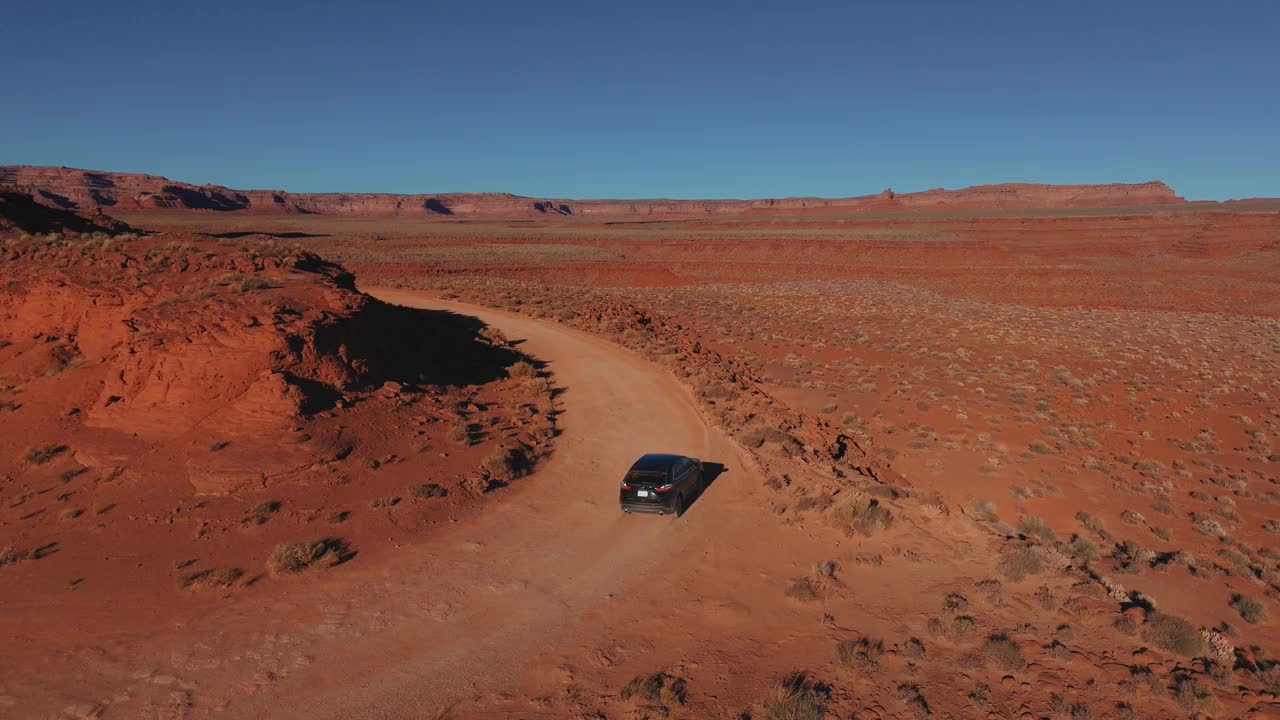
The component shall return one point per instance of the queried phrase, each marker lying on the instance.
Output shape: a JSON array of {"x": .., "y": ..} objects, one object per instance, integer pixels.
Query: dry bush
[
  {"x": 1018, "y": 562},
  {"x": 260, "y": 513},
  {"x": 1082, "y": 549},
  {"x": 656, "y": 687},
  {"x": 984, "y": 510},
  {"x": 1251, "y": 609},
  {"x": 428, "y": 490},
  {"x": 1193, "y": 695},
  {"x": 913, "y": 649},
  {"x": 212, "y": 578},
  {"x": 252, "y": 283},
  {"x": 797, "y": 697},
  {"x": 805, "y": 589},
  {"x": 44, "y": 453},
  {"x": 296, "y": 557},
  {"x": 493, "y": 336},
  {"x": 757, "y": 436},
  {"x": 10, "y": 554},
  {"x": 1174, "y": 634},
  {"x": 1089, "y": 521},
  {"x": 460, "y": 432},
  {"x": 860, "y": 656},
  {"x": 218, "y": 445},
  {"x": 959, "y": 629},
  {"x": 506, "y": 464},
  {"x": 910, "y": 695},
  {"x": 1035, "y": 527},
  {"x": 1004, "y": 652},
  {"x": 860, "y": 514},
  {"x": 384, "y": 502},
  {"x": 522, "y": 370}
]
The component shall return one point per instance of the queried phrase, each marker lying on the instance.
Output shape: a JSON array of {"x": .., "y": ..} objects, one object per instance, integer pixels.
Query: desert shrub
[
  {"x": 506, "y": 464},
  {"x": 493, "y": 336},
  {"x": 1089, "y": 521},
  {"x": 67, "y": 476},
  {"x": 1004, "y": 652},
  {"x": 656, "y": 687},
  {"x": 1125, "y": 623},
  {"x": 913, "y": 649},
  {"x": 797, "y": 697},
  {"x": 218, "y": 445},
  {"x": 1251, "y": 609},
  {"x": 1269, "y": 679},
  {"x": 72, "y": 513},
  {"x": 1082, "y": 548},
  {"x": 44, "y": 453},
  {"x": 428, "y": 490},
  {"x": 1045, "y": 597},
  {"x": 212, "y": 578},
  {"x": 10, "y": 554},
  {"x": 1034, "y": 526},
  {"x": 759, "y": 435},
  {"x": 1040, "y": 446},
  {"x": 984, "y": 510},
  {"x": 1174, "y": 634},
  {"x": 860, "y": 514},
  {"x": 1193, "y": 695},
  {"x": 1132, "y": 517},
  {"x": 460, "y": 432},
  {"x": 260, "y": 513},
  {"x": 296, "y": 557},
  {"x": 959, "y": 629},
  {"x": 384, "y": 502},
  {"x": 805, "y": 589},
  {"x": 252, "y": 283},
  {"x": 522, "y": 370},
  {"x": 1018, "y": 562},
  {"x": 860, "y": 656},
  {"x": 913, "y": 699}
]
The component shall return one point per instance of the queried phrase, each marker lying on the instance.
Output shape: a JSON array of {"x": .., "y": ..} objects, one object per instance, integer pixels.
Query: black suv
[{"x": 661, "y": 484}]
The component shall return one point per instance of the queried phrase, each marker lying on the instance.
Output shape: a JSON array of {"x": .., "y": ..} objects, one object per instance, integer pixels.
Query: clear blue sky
[{"x": 687, "y": 99}]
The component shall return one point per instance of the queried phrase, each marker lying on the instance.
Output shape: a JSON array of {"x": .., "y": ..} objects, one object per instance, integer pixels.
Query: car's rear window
[{"x": 646, "y": 476}]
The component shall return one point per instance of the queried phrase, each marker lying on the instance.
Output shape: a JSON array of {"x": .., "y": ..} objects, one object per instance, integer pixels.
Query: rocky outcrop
[
  {"x": 22, "y": 212},
  {"x": 74, "y": 189}
]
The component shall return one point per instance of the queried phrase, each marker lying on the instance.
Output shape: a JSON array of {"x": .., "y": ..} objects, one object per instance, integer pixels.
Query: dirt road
[{"x": 465, "y": 613}]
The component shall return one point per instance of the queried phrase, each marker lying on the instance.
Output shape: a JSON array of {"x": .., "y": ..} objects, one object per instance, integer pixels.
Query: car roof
[{"x": 656, "y": 461}]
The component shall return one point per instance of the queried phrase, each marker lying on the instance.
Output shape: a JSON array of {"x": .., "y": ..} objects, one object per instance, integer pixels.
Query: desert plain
[{"x": 1002, "y": 452}]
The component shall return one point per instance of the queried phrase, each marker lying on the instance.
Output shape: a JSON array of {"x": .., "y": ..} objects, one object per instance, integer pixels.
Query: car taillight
[
  {"x": 664, "y": 488},
  {"x": 625, "y": 486}
]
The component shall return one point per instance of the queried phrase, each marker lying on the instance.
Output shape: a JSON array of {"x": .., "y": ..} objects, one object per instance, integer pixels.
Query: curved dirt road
[{"x": 466, "y": 615}]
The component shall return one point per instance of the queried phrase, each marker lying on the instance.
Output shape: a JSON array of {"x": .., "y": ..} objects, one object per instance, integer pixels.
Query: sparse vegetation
[
  {"x": 211, "y": 578},
  {"x": 1174, "y": 634},
  {"x": 506, "y": 464},
  {"x": 426, "y": 491},
  {"x": 1018, "y": 562},
  {"x": 44, "y": 453},
  {"x": 295, "y": 557},
  {"x": 861, "y": 656},
  {"x": 1251, "y": 609},
  {"x": 797, "y": 697},
  {"x": 860, "y": 514},
  {"x": 661, "y": 688}
]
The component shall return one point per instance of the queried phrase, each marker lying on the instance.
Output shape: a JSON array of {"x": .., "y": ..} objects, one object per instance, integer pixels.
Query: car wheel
[{"x": 679, "y": 509}]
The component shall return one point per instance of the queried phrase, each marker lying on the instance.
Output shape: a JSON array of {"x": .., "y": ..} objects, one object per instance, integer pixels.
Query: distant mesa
[{"x": 73, "y": 189}]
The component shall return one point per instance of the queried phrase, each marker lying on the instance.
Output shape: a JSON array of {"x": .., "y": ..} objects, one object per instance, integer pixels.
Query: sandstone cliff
[{"x": 74, "y": 189}]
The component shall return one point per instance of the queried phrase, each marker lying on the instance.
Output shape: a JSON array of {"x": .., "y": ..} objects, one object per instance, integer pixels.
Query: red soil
[{"x": 1095, "y": 385}]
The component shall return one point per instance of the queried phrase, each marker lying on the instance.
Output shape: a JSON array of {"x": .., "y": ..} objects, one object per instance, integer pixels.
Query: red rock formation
[
  {"x": 20, "y": 211},
  {"x": 84, "y": 189}
]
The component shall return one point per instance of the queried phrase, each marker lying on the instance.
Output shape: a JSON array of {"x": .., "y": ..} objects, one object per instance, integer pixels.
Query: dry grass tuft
[
  {"x": 797, "y": 697},
  {"x": 44, "y": 453},
  {"x": 296, "y": 557},
  {"x": 1004, "y": 652},
  {"x": 1251, "y": 609},
  {"x": 656, "y": 687},
  {"x": 860, "y": 514},
  {"x": 506, "y": 464},
  {"x": 1018, "y": 562},
  {"x": 1174, "y": 634},
  {"x": 522, "y": 370},
  {"x": 860, "y": 656},
  {"x": 428, "y": 490},
  {"x": 10, "y": 554},
  {"x": 213, "y": 578}
]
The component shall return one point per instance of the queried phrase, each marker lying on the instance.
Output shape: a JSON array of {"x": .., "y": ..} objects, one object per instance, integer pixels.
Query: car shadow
[{"x": 710, "y": 472}]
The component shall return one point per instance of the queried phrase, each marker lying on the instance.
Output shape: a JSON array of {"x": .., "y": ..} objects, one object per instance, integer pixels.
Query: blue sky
[{"x": 650, "y": 99}]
